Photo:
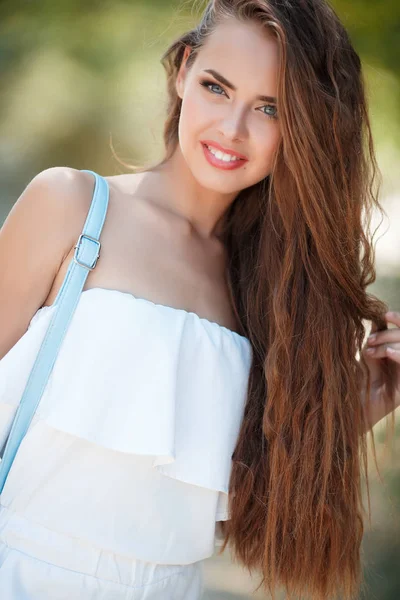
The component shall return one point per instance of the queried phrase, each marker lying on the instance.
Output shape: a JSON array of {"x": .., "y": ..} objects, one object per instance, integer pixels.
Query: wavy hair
[{"x": 300, "y": 259}]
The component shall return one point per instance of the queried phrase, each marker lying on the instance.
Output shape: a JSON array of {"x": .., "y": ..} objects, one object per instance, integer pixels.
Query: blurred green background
[{"x": 80, "y": 78}]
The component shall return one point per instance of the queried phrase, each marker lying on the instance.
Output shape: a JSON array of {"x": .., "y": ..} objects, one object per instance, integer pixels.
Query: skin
[
  {"x": 235, "y": 119},
  {"x": 381, "y": 345},
  {"x": 170, "y": 215},
  {"x": 177, "y": 207}
]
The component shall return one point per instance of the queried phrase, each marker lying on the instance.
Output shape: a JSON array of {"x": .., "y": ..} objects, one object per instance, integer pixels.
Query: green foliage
[{"x": 374, "y": 27}]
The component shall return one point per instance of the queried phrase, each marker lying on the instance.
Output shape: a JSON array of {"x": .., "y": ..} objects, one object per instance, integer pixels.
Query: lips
[
  {"x": 222, "y": 149},
  {"x": 219, "y": 163}
]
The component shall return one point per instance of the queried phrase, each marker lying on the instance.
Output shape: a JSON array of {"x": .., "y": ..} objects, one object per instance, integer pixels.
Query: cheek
[
  {"x": 193, "y": 115},
  {"x": 266, "y": 143}
]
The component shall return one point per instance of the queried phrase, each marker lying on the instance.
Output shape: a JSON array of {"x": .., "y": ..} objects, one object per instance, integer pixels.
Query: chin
[
  {"x": 220, "y": 187},
  {"x": 223, "y": 182}
]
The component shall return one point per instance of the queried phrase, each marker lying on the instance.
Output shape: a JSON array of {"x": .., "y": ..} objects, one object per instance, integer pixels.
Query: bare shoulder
[
  {"x": 52, "y": 203},
  {"x": 67, "y": 188},
  {"x": 64, "y": 193},
  {"x": 34, "y": 239},
  {"x": 60, "y": 179}
]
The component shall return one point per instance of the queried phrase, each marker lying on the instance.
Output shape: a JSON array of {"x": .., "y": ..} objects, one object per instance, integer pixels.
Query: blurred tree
[{"x": 374, "y": 28}]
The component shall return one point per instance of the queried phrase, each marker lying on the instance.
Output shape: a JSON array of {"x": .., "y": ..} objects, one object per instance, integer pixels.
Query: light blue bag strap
[{"x": 87, "y": 251}]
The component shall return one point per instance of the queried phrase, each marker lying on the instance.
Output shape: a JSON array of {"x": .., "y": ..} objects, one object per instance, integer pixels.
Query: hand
[{"x": 380, "y": 345}]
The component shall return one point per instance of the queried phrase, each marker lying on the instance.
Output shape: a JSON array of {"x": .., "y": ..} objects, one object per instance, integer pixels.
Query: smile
[{"x": 220, "y": 159}]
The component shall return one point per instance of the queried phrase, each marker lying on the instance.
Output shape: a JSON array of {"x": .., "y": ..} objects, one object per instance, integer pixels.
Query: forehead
[{"x": 242, "y": 52}]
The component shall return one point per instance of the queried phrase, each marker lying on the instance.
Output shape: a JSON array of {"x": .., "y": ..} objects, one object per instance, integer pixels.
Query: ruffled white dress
[{"x": 117, "y": 487}]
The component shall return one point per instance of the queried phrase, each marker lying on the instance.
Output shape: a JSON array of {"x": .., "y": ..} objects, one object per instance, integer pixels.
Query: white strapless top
[{"x": 130, "y": 447}]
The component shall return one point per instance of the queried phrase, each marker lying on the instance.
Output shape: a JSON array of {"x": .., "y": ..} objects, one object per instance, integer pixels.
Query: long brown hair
[{"x": 300, "y": 260}]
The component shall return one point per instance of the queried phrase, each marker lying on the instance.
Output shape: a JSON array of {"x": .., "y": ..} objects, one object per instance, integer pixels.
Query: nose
[{"x": 233, "y": 126}]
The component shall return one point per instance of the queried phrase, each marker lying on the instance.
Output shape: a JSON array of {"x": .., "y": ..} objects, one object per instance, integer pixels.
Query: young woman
[{"x": 218, "y": 345}]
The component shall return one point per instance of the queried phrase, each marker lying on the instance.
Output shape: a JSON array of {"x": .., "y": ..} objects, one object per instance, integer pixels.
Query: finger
[
  {"x": 372, "y": 364},
  {"x": 374, "y": 368},
  {"x": 393, "y": 317},
  {"x": 389, "y": 336},
  {"x": 382, "y": 351},
  {"x": 393, "y": 354}
]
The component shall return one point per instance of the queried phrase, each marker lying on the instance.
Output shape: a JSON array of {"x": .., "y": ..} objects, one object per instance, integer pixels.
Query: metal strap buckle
[{"x": 89, "y": 267}]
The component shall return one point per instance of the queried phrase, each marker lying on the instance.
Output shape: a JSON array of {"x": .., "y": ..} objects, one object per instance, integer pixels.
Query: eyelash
[{"x": 206, "y": 82}]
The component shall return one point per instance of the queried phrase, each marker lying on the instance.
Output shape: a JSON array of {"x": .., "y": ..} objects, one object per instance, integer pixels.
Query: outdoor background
[{"x": 73, "y": 73}]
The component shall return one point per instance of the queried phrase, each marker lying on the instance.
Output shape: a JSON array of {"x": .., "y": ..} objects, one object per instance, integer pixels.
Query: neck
[{"x": 202, "y": 208}]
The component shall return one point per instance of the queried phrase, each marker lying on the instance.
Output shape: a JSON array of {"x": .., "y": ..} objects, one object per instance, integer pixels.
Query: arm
[
  {"x": 37, "y": 234},
  {"x": 378, "y": 410}
]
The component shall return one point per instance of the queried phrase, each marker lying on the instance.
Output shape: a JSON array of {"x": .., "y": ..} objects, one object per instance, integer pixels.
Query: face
[{"x": 235, "y": 120}]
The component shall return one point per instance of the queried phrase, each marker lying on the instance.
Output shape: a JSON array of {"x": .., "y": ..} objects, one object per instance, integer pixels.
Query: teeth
[{"x": 221, "y": 155}]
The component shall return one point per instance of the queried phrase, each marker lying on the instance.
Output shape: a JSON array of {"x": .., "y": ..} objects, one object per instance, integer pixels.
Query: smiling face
[{"x": 229, "y": 102}]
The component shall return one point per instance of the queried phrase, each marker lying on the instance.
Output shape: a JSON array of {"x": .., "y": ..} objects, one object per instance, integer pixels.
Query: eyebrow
[{"x": 233, "y": 87}]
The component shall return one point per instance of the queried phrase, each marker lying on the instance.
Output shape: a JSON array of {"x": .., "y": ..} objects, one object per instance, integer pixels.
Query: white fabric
[
  {"x": 130, "y": 449},
  {"x": 39, "y": 564}
]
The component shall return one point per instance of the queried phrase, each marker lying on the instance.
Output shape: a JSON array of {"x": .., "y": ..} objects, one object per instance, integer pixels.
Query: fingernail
[
  {"x": 372, "y": 337},
  {"x": 370, "y": 350}
]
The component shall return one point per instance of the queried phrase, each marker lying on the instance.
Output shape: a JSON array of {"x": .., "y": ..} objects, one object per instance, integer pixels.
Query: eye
[
  {"x": 272, "y": 111},
  {"x": 206, "y": 83}
]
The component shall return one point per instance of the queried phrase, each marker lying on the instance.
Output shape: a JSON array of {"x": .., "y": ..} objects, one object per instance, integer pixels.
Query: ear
[{"x": 181, "y": 76}]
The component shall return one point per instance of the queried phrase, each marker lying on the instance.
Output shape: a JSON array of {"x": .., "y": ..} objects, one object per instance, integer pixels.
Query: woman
[{"x": 225, "y": 319}]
